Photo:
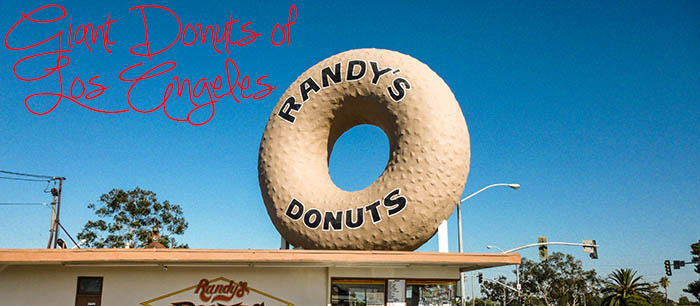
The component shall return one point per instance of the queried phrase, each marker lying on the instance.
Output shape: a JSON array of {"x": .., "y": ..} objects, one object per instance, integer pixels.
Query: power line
[
  {"x": 26, "y": 174},
  {"x": 55, "y": 208},
  {"x": 21, "y": 203},
  {"x": 22, "y": 179}
]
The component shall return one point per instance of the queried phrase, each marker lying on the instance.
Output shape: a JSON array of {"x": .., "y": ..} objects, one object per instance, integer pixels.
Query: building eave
[{"x": 253, "y": 258}]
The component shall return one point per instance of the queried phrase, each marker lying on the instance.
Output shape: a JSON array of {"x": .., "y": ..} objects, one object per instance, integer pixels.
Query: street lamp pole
[
  {"x": 459, "y": 223},
  {"x": 495, "y": 247},
  {"x": 459, "y": 208}
]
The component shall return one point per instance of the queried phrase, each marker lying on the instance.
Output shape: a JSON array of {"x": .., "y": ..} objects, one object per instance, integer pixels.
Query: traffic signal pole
[
  {"x": 551, "y": 243},
  {"x": 677, "y": 264},
  {"x": 589, "y": 246}
]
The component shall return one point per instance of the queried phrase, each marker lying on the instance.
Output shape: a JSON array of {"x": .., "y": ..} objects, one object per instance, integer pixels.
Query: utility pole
[
  {"x": 58, "y": 209},
  {"x": 55, "y": 212},
  {"x": 53, "y": 218}
]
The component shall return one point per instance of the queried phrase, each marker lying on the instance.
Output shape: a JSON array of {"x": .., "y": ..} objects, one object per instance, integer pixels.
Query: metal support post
[
  {"x": 459, "y": 226},
  {"x": 518, "y": 286},
  {"x": 473, "y": 298}
]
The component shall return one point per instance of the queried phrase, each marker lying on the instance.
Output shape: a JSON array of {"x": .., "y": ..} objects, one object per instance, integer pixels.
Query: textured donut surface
[{"x": 424, "y": 177}]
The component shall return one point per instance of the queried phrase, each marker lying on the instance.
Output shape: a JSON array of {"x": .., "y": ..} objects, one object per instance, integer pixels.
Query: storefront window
[
  {"x": 372, "y": 292},
  {"x": 430, "y": 293},
  {"x": 358, "y": 292}
]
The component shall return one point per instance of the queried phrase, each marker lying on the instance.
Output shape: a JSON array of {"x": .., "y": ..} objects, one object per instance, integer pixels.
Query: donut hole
[{"x": 358, "y": 157}]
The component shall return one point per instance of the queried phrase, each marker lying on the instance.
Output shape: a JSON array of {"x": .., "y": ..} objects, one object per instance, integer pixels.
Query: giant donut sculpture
[{"x": 428, "y": 162}]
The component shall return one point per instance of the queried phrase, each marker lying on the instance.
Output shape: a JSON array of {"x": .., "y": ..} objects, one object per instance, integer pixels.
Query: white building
[{"x": 189, "y": 277}]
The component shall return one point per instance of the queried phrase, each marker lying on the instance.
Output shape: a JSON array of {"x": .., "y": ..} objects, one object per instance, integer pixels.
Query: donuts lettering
[
  {"x": 423, "y": 179},
  {"x": 356, "y": 70},
  {"x": 353, "y": 218}
]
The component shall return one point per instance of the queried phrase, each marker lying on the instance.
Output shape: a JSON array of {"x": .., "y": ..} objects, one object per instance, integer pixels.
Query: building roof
[{"x": 252, "y": 258}]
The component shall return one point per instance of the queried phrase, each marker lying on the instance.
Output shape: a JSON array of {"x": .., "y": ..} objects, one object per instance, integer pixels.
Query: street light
[
  {"x": 459, "y": 208},
  {"x": 459, "y": 223},
  {"x": 495, "y": 247}
]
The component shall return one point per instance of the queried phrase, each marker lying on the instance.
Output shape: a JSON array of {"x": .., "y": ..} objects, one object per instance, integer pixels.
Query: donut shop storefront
[
  {"x": 424, "y": 178},
  {"x": 189, "y": 277}
]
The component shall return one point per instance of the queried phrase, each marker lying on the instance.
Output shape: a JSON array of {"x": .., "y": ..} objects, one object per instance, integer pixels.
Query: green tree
[
  {"x": 635, "y": 300},
  {"x": 483, "y": 302},
  {"x": 621, "y": 285},
  {"x": 128, "y": 217},
  {"x": 559, "y": 280},
  {"x": 683, "y": 300},
  {"x": 694, "y": 287},
  {"x": 594, "y": 299},
  {"x": 657, "y": 298}
]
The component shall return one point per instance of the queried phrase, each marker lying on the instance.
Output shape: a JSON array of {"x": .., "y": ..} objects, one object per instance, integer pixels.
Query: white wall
[
  {"x": 122, "y": 286},
  {"x": 127, "y": 286}
]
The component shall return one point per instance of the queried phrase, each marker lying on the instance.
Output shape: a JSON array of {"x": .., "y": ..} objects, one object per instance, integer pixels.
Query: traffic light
[
  {"x": 677, "y": 264},
  {"x": 543, "y": 248},
  {"x": 588, "y": 247},
  {"x": 521, "y": 300},
  {"x": 667, "y": 265},
  {"x": 481, "y": 277},
  {"x": 594, "y": 255}
]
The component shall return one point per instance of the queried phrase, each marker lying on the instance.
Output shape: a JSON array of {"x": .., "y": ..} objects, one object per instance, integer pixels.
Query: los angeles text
[{"x": 203, "y": 93}]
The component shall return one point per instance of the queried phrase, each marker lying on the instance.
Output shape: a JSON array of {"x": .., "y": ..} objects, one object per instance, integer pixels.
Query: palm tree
[
  {"x": 664, "y": 283},
  {"x": 623, "y": 284}
]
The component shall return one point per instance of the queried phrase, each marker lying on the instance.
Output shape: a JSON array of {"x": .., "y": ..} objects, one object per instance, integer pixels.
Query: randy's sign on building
[{"x": 217, "y": 292}]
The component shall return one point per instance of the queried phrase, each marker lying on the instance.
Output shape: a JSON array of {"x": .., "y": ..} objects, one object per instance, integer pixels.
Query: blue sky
[{"x": 594, "y": 108}]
